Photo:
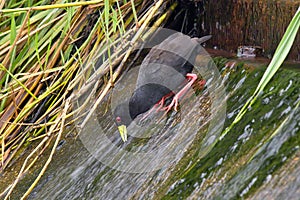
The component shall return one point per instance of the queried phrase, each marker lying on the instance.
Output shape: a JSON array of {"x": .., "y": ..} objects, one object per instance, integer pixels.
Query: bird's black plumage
[{"x": 162, "y": 71}]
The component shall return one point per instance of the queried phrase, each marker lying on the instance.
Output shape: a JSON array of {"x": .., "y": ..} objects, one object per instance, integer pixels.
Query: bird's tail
[{"x": 202, "y": 39}]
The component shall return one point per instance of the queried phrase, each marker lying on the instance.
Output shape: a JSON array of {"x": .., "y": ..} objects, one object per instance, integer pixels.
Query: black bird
[{"x": 166, "y": 67}]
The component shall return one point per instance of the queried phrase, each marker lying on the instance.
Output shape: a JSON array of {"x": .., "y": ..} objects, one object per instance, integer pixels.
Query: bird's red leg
[
  {"x": 160, "y": 104},
  {"x": 191, "y": 78},
  {"x": 162, "y": 101}
]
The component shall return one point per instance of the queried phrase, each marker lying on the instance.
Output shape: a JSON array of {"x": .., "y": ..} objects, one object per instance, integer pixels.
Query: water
[
  {"x": 258, "y": 158},
  {"x": 248, "y": 158},
  {"x": 248, "y": 23}
]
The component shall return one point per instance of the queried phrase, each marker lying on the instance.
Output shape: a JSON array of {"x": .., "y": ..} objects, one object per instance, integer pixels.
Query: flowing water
[
  {"x": 258, "y": 158},
  {"x": 181, "y": 156}
]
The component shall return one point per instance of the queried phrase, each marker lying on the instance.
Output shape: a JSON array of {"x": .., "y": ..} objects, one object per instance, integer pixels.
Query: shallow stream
[{"x": 258, "y": 158}]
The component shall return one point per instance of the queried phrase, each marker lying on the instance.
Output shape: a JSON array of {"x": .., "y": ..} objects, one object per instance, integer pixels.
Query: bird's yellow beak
[{"x": 123, "y": 132}]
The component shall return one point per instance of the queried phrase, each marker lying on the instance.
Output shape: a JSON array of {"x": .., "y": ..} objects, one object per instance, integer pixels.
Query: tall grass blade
[
  {"x": 17, "y": 80},
  {"x": 134, "y": 12}
]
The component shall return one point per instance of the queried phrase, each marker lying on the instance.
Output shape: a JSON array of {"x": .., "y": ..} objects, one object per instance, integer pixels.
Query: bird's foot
[
  {"x": 199, "y": 85},
  {"x": 158, "y": 106},
  {"x": 174, "y": 104},
  {"x": 161, "y": 103},
  {"x": 175, "y": 101}
]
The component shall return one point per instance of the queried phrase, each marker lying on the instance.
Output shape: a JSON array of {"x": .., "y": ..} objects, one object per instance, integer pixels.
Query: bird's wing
[
  {"x": 163, "y": 68},
  {"x": 168, "y": 63}
]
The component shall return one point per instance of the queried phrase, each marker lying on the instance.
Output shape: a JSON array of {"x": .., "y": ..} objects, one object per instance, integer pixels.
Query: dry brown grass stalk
[{"x": 55, "y": 69}]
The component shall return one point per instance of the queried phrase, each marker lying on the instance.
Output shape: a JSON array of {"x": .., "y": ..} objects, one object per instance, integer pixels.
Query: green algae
[
  {"x": 236, "y": 167},
  {"x": 234, "y": 152}
]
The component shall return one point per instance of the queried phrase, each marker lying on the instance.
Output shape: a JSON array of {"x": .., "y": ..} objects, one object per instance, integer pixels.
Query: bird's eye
[{"x": 118, "y": 119}]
